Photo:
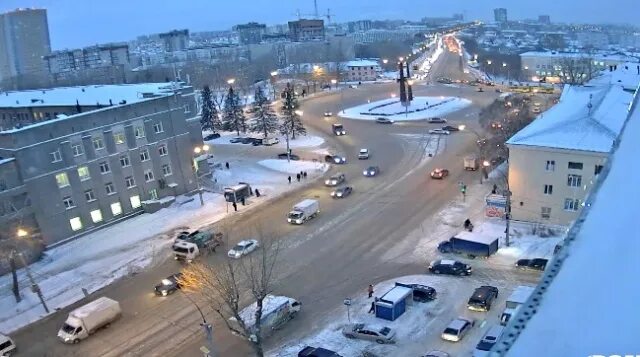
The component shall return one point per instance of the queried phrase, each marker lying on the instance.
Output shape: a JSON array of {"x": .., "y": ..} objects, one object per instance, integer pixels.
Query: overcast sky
[{"x": 77, "y": 23}]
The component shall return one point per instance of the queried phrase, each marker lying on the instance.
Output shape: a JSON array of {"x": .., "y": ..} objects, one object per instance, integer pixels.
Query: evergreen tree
[
  {"x": 233, "y": 118},
  {"x": 292, "y": 123},
  {"x": 210, "y": 119},
  {"x": 265, "y": 120}
]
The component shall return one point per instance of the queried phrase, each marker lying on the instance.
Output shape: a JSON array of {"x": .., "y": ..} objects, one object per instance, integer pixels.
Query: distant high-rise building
[
  {"x": 176, "y": 40},
  {"x": 306, "y": 30},
  {"x": 250, "y": 33},
  {"x": 98, "y": 64},
  {"x": 544, "y": 19},
  {"x": 357, "y": 26},
  {"x": 458, "y": 17},
  {"x": 24, "y": 40},
  {"x": 500, "y": 15}
]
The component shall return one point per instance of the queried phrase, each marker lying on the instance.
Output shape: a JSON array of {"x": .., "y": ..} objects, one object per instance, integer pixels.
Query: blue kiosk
[{"x": 393, "y": 303}]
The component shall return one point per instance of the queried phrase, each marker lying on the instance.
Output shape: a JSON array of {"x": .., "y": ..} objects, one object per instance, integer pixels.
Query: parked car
[
  {"x": 7, "y": 346},
  {"x": 450, "y": 128},
  {"x": 236, "y": 140},
  {"x": 436, "y": 353},
  {"x": 328, "y": 114},
  {"x": 243, "y": 248},
  {"x": 335, "y": 179},
  {"x": 309, "y": 351},
  {"x": 423, "y": 293},
  {"x": 363, "y": 154},
  {"x": 482, "y": 298},
  {"x": 538, "y": 264},
  {"x": 488, "y": 340},
  {"x": 211, "y": 136},
  {"x": 283, "y": 156},
  {"x": 168, "y": 285},
  {"x": 342, "y": 192},
  {"x": 270, "y": 141},
  {"x": 371, "y": 171},
  {"x": 439, "y": 173},
  {"x": 248, "y": 140},
  {"x": 457, "y": 329},
  {"x": 372, "y": 333},
  {"x": 450, "y": 267},
  {"x": 439, "y": 132},
  {"x": 256, "y": 142},
  {"x": 382, "y": 120},
  {"x": 353, "y": 86},
  {"x": 437, "y": 120}
]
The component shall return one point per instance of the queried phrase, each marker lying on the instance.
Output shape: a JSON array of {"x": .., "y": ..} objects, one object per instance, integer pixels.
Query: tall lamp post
[
  {"x": 273, "y": 83},
  {"x": 196, "y": 167},
  {"x": 208, "y": 327}
]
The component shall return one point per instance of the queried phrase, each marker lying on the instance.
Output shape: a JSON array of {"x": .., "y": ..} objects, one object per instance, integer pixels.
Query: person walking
[
  {"x": 289, "y": 179},
  {"x": 298, "y": 177},
  {"x": 257, "y": 193},
  {"x": 370, "y": 290},
  {"x": 304, "y": 174},
  {"x": 373, "y": 307},
  {"x": 226, "y": 164},
  {"x": 235, "y": 207}
]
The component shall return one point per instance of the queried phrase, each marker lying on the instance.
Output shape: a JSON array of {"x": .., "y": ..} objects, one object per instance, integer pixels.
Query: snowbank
[
  {"x": 299, "y": 142},
  {"x": 420, "y": 108},
  {"x": 294, "y": 167}
]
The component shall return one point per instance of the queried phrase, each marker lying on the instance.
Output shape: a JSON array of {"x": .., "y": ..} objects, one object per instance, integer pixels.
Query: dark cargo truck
[{"x": 471, "y": 244}]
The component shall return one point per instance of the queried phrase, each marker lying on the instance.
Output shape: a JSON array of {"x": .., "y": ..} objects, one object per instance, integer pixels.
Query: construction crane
[{"x": 316, "y": 14}]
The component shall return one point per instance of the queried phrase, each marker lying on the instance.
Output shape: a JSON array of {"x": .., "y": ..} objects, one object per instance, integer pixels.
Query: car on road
[
  {"x": 353, "y": 86},
  {"x": 335, "y": 180},
  {"x": 338, "y": 129},
  {"x": 309, "y": 351},
  {"x": 363, "y": 154},
  {"x": 436, "y": 353},
  {"x": 342, "y": 192},
  {"x": 168, "y": 285},
  {"x": 368, "y": 332},
  {"x": 236, "y": 140},
  {"x": 243, "y": 248},
  {"x": 536, "y": 110},
  {"x": 328, "y": 114},
  {"x": 488, "y": 341},
  {"x": 450, "y": 267},
  {"x": 439, "y": 173},
  {"x": 457, "y": 329},
  {"x": 439, "y": 132},
  {"x": 382, "y": 120},
  {"x": 211, "y": 136},
  {"x": 335, "y": 159},
  {"x": 371, "y": 171},
  {"x": 538, "y": 264},
  {"x": 7, "y": 346},
  {"x": 284, "y": 156},
  {"x": 436, "y": 120},
  {"x": 482, "y": 298},
  {"x": 450, "y": 128}
]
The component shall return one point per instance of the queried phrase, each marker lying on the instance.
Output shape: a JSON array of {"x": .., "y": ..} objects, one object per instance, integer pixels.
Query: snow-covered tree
[
  {"x": 210, "y": 119},
  {"x": 233, "y": 118},
  {"x": 291, "y": 121},
  {"x": 266, "y": 120}
]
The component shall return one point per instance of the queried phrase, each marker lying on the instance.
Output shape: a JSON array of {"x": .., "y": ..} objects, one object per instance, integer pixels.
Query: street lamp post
[
  {"x": 273, "y": 83},
  {"x": 208, "y": 327},
  {"x": 198, "y": 150}
]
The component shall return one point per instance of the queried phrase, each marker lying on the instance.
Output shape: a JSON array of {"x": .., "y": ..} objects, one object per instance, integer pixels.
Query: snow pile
[
  {"x": 299, "y": 142},
  {"x": 420, "y": 108},
  {"x": 294, "y": 167}
]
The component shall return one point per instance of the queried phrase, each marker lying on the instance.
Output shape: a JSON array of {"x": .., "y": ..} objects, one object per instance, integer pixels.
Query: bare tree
[
  {"x": 576, "y": 70},
  {"x": 223, "y": 287}
]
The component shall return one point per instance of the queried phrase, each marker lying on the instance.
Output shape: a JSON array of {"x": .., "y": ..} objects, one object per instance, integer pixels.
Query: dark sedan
[
  {"x": 283, "y": 156},
  {"x": 439, "y": 173},
  {"x": 538, "y": 264},
  {"x": 342, "y": 192},
  {"x": 168, "y": 285},
  {"x": 211, "y": 136},
  {"x": 450, "y": 128},
  {"x": 371, "y": 171}
]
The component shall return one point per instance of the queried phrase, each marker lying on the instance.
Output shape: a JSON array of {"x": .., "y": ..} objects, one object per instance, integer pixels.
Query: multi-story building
[
  {"x": 306, "y": 30},
  {"x": 24, "y": 40},
  {"x": 250, "y": 33},
  {"x": 555, "y": 160},
  {"x": 500, "y": 15},
  {"x": 176, "y": 40},
  {"x": 556, "y": 65},
  {"x": 74, "y": 159},
  {"x": 102, "y": 63},
  {"x": 362, "y": 70},
  {"x": 381, "y": 36},
  {"x": 544, "y": 19},
  {"x": 359, "y": 26}
]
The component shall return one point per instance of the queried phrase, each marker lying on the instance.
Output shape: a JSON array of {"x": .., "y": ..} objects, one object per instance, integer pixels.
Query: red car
[{"x": 439, "y": 173}]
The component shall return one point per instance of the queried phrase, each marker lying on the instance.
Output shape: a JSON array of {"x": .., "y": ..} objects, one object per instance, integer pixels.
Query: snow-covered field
[
  {"x": 97, "y": 259},
  {"x": 420, "y": 108},
  {"x": 302, "y": 141}
]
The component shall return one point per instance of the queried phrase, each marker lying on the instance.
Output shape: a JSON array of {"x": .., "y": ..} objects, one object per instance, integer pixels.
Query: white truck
[
  {"x": 188, "y": 246},
  {"x": 85, "y": 320},
  {"x": 518, "y": 297},
  {"x": 276, "y": 311},
  {"x": 471, "y": 163},
  {"x": 303, "y": 211}
]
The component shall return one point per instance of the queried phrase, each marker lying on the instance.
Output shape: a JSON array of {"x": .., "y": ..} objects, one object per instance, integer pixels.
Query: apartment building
[
  {"x": 553, "y": 64},
  {"x": 555, "y": 160},
  {"x": 362, "y": 70},
  {"x": 306, "y": 30},
  {"x": 176, "y": 40},
  {"x": 74, "y": 159}
]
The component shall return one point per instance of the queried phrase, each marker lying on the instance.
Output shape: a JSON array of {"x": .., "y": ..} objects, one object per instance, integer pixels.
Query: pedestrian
[
  {"x": 257, "y": 193},
  {"x": 235, "y": 207},
  {"x": 243, "y": 201},
  {"x": 373, "y": 307},
  {"x": 495, "y": 189},
  {"x": 370, "y": 290},
  {"x": 301, "y": 173},
  {"x": 298, "y": 177},
  {"x": 226, "y": 164},
  {"x": 304, "y": 174},
  {"x": 289, "y": 179}
]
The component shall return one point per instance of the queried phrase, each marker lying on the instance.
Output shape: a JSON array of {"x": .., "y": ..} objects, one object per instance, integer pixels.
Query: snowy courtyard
[{"x": 419, "y": 109}]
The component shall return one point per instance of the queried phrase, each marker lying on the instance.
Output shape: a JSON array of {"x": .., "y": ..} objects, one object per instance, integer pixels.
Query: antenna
[
  {"x": 315, "y": 9},
  {"x": 328, "y": 16}
]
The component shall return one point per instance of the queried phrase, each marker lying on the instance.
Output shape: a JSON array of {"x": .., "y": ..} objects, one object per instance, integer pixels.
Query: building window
[
  {"x": 56, "y": 156},
  {"x": 68, "y": 202},
  {"x": 548, "y": 189},
  {"x": 157, "y": 128},
  {"x": 187, "y": 108},
  {"x": 77, "y": 150},
  {"x": 96, "y": 216},
  {"x": 144, "y": 155},
  {"x": 575, "y": 165},
  {"x": 148, "y": 176},
  {"x": 571, "y": 204},
  {"x": 62, "y": 179},
  {"x": 139, "y": 130},
  {"x": 153, "y": 194},
  {"x": 124, "y": 161},
  {"x": 88, "y": 194},
  {"x": 118, "y": 138},
  {"x": 545, "y": 212},
  {"x": 135, "y": 201},
  {"x": 116, "y": 208},
  {"x": 574, "y": 180},
  {"x": 598, "y": 169},
  {"x": 110, "y": 188},
  {"x": 551, "y": 165},
  {"x": 104, "y": 167},
  {"x": 83, "y": 172},
  {"x": 162, "y": 150},
  {"x": 166, "y": 170},
  {"x": 76, "y": 224},
  {"x": 98, "y": 143},
  {"x": 130, "y": 181}
]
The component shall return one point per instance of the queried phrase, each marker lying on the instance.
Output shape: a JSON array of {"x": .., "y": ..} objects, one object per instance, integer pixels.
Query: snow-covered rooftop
[
  {"x": 362, "y": 63},
  {"x": 596, "y": 56},
  {"x": 397, "y": 294},
  {"x": 269, "y": 304},
  {"x": 626, "y": 75},
  {"x": 585, "y": 119},
  {"x": 85, "y": 95},
  {"x": 591, "y": 306},
  {"x": 478, "y": 237}
]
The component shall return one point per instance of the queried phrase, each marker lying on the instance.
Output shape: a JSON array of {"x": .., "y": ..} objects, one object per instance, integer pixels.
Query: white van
[
  {"x": 270, "y": 141},
  {"x": 6, "y": 345}
]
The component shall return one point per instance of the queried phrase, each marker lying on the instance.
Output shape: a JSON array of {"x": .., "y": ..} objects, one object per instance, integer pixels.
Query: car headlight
[
  {"x": 333, "y": 193},
  {"x": 339, "y": 194},
  {"x": 164, "y": 293},
  {"x": 364, "y": 172},
  {"x": 327, "y": 182}
]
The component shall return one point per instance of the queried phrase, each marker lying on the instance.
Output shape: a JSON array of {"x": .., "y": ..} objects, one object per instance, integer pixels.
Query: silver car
[
  {"x": 334, "y": 180},
  {"x": 379, "y": 334}
]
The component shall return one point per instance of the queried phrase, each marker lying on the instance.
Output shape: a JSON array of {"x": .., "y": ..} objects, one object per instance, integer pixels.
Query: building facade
[
  {"x": 24, "y": 40},
  {"x": 556, "y": 65},
  {"x": 176, "y": 40},
  {"x": 77, "y": 158},
  {"x": 362, "y": 70},
  {"x": 250, "y": 33},
  {"x": 306, "y": 30},
  {"x": 101, "y": 64},
  {"x": 500, "y": 15}
]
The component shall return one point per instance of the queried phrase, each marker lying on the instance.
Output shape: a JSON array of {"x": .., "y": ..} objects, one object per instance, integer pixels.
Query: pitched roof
[{"x": 585, "y": 119}]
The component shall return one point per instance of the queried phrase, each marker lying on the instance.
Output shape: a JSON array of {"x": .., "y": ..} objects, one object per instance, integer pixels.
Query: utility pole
[
  {"x": 508, "y": 216},
  {"x": 34, "y": 286},
  {"x": 14, "y": 276},
  {"x": 208, "y": 329}
]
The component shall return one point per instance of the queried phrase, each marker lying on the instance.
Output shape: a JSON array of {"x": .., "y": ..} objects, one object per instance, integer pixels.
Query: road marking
[{"x": 483, "y": 323}]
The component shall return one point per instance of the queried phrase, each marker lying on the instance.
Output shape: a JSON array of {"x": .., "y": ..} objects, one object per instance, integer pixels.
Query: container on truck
[
  {"x": 276, "y": 311},
  {"x": 85, "y": 320},
  {"x": 188, "y": 247},
  {"x": 518, "y": 297},
  {"x": 471, "y": 163},
  {"x": 303, "y": 211},
  {"x": 471, "y": 244}
]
